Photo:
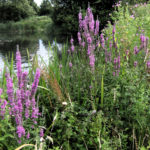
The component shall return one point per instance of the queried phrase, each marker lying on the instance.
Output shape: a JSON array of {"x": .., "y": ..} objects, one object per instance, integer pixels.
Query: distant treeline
[
  {"x": 15, "y": 10},
  {"x": 63, "y": 12}
]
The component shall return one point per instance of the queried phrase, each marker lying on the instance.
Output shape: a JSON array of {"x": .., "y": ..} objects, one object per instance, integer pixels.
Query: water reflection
[{"x": 35, "y": 44}]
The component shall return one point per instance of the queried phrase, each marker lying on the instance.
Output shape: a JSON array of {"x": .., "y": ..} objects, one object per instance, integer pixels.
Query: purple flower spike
[
  {"x": 135, "y": 50},
  {"x": 18, "y": 64},
  {"x": 80, "y": 15},
  {"x": 115, "y": 60},
  {"x": 114, "y": 29},
  {"x": 92, "y": 60},
  {"x": 41, "y": 132},
  {"x": 89, "y": 40},
  {"x": 71, "y": 41},
  {"x": 10, "y": 91},
  {"x": 72, "y": 48},
  {"x": 28, "y": 135},
  {"x": 2, "y": 108},
  {"x": 35, "y": 83},
  {"x": 97, "y": 27},
  {"x": 20, "y": 131},
  {"x": 148, "y": 64}
]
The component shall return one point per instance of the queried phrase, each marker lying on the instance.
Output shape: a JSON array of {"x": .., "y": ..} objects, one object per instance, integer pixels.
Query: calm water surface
[{"x": 36, "y": 44}]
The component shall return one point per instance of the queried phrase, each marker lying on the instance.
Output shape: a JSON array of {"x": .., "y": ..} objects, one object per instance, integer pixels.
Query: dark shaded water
[{"x": 36, "y": 44}]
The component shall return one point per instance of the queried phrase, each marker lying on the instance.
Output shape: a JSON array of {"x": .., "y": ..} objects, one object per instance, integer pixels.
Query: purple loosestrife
[
  {"x": 119, "y": 62},
  {"x": 148, "y": 64},
  {"x": 80, "y": 20},
  {"x": 23, "y": 85},
  {"x": 70, "y": 64},
  {"x": 35, "y": 110},
  {"x": 92, "y": 61},
  {"x": 20, "y": 131},
  {"x": 18, "y": 64},
  {"x": 28, "y": 135},
  {"x": 72, "y": 46},
  {"x": 135, "y": 63},
  {"x": 10, "y": 91},
  {"x": 35, "y": 83},
  {"x": 79, "y": 38},
  {"x": 2, "y": 108},
  {"x": 135, "y": 50},
  {"x": 97, "y": 27},
  {"x": 41, "y": 132},
  {"x": 83, "y": 44},
  {"x": 102, "y": 41}
]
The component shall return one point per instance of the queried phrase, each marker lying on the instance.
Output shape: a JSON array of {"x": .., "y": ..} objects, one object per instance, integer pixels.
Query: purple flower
[
  {"x": 90, "y": 86},
  {"x": 72, "y": 48},
  {"x": 10, "y": 91},
  {"x": 71, "y": 41},
  {"x": 70, "y": 64},
  {"x": 113, "y": 73},
  {"x": 89, "y": 40},
  {"x": 60, "y": 66},
  {"x": 2, "y": 108},
  {"x": 83, "y": 44},
  {"x": 20, "y": 131},
  {"x": 92, "y": 60},
  {"x": 115, "y": 60},
  {"x": 28, "y": 135},
  {"x": 35, "y": 83},
  {"x": 91, "y": 26},
  {"x": 132, "y": 16},
  {"x": 18, "y": 64},
  {"x": 127, "y": 52},
  {"x": 41, "y": 132},
  {"x": 114, "y": 29},
  {"x": 97, "y": 27},
  {"x": 80, "y": 15},
  {"x": 135, "y": 63},
  {"x": 135, "y": 50},
  {"x": 148, "y": 64}
]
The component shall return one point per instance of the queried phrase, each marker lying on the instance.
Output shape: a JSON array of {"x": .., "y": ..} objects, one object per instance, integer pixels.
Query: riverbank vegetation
[
  {"x": 24, "y": 16},
  {"x": 30, "y": 25},
  {"x": 92, "y": 95}
]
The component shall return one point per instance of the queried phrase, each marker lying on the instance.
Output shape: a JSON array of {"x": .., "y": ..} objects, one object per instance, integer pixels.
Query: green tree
[
  {"x": 14, "y": 10},
  {"x": 34, "y": 6},
  {"x": 45, "y": 8}
]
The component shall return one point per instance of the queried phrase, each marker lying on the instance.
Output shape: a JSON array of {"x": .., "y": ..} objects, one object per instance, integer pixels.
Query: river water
[{"x": 34, "y": 43}]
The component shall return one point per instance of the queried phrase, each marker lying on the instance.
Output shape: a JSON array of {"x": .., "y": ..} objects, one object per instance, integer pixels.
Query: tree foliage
[
  {"x": 14, "y": 10},
  {"x": 45, "y": 8}
]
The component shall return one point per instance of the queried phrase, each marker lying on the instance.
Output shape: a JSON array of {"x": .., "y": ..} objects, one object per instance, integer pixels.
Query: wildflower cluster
[{"x": 21, "y": 102}]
